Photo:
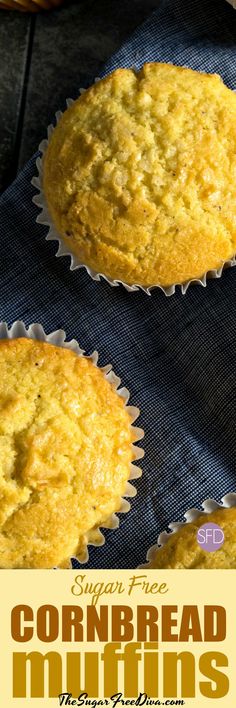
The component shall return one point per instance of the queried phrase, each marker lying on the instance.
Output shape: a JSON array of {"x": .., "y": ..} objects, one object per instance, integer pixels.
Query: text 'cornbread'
[
  {"x": 140, "y": 175},
  {"x": 183, "y": 551},
  {"x": 65, "y": 452}
]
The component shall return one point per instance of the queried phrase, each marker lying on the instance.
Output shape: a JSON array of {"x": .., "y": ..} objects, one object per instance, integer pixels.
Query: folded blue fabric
[{"x": 177, "y": 355}]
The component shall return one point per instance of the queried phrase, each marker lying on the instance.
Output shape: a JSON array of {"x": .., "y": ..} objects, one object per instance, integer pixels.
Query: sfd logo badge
[{"x": 210, "y": 537}]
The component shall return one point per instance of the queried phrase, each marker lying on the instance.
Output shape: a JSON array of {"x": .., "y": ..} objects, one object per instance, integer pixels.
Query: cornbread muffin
[
  {"x": 140, "y": 174},
  {"x": 183, "y": 551},
  {"x": 65, "y": 452},
  {"x": 30, "y": 5}
]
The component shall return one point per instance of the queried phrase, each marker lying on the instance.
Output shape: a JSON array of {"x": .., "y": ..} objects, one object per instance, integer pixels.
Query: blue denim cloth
[{"x": 177, "y": 355}]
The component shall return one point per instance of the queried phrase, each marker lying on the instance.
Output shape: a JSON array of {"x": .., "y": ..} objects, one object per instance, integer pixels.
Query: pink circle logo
[{"x": 210, "y": 537}]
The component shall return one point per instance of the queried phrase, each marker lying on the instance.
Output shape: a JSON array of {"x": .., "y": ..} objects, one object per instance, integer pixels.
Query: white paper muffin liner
[
  {"x": 53, "y": 235},
  {"x": 58, "y": 338},
  {"x": 233, "y": 3},
  {"x": 208, "y": 505}
]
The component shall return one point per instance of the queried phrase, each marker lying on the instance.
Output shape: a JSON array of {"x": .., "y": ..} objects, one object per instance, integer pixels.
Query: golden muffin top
[
  {"x": 183, "y": 551},
  {"x": 65, "y": 452},
  {"x": 140, "y": 175}
]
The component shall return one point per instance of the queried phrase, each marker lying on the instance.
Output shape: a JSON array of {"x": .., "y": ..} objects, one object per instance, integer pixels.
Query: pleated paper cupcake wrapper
[
  {"x": 208, "y": 506},
  {"x": 35, "y": 331},
  {"x": 53, "y": 235}
]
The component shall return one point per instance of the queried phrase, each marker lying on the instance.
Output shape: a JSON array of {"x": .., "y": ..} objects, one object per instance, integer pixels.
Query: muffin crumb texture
[
  {"x": 65, "y": 453},
  {"x": 140, "y": 175},
  {"x": 183, "y": 551}
]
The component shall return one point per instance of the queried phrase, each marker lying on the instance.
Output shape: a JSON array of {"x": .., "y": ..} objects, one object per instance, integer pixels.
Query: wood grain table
[{"x": 45, "y": 58}]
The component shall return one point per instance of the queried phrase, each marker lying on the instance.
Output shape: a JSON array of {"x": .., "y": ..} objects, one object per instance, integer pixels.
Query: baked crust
[
  {"x": 65, "y": 452},
  {"x": 183, "y": 551},
  {"x": 140, "y": 175}
]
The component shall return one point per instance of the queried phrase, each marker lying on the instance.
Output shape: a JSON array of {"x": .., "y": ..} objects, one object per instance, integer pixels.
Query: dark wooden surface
[{"x": 45, "y": 58}]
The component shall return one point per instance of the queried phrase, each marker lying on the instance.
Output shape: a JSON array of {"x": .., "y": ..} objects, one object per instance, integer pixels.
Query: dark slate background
[{"x": 45, "y": 57}]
